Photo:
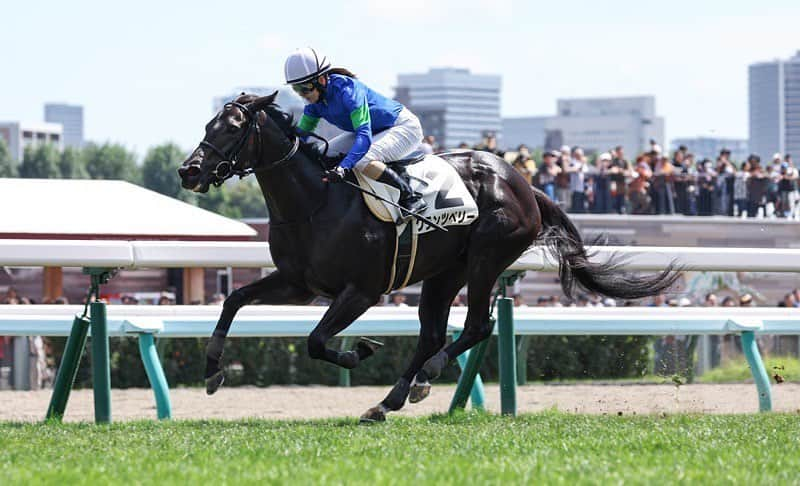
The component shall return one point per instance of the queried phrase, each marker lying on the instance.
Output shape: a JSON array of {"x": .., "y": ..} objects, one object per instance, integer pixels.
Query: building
[
  {"x": 19, "y": 135},
  {"x": 598, "y": 124},
  {"x": 287, "y": 99},
  {"x": 774, "y": 104},
  {"x": 710, "y": 147},
  {"x": 527, "y": 130},
  {"x": 453, "y": 104},
  {"x": 70, "y": 117}
]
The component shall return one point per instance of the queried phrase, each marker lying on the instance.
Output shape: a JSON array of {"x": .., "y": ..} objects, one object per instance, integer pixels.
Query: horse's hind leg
[
  {"x": 485, "y": 266},
  {"x": 437, "y": 295},
  {"x": 344, "y": 309},
  {"x": 272, "y": 289}
]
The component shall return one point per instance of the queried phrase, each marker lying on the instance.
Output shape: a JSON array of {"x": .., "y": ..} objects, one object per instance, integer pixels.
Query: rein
[{"x": 229, "y": 165}]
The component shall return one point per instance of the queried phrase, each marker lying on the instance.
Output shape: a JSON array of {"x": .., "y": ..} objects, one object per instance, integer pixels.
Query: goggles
[{"x": 303, "y": 88}]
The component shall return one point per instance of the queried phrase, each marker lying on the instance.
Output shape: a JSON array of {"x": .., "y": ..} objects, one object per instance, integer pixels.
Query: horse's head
[{"x": 235, "y": 144}]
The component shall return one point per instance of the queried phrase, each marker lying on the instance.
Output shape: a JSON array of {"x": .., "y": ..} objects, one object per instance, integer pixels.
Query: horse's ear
[{"x": 264, "y": 101}]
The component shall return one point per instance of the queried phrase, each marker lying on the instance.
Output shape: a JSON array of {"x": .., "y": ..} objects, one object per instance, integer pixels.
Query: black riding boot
[{"x": 409, "y": 200}]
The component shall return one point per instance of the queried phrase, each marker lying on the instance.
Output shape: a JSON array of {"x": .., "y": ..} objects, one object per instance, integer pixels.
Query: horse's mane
[{"x": 285, "y": 122}]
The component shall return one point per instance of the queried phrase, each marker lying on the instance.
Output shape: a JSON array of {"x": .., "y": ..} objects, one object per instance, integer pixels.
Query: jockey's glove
[{"x": 336, "y": 174}]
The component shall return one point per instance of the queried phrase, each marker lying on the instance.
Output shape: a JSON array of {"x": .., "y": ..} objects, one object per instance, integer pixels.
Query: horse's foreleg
[
  {"x": 272, "y": 289},
  {"x": 434, "y": 309},
  {"x": 345, "y": 308}
]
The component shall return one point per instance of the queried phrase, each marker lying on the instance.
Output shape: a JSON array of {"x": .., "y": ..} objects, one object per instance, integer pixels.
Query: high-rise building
[
  {"x": 452, "y": 104},
  {"x": 598, "y": 124},
  {"x": 287, "y": 99},
  {"x": 19, "y": 135},
  {"x": 774, "y": 90},
  {"x": 70, "y": 117},
  {"x": 710, "y": 147},
  {"x": 594, "y": 124}
]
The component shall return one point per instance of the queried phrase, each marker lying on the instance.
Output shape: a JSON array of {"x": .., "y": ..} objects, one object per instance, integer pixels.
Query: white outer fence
[{"x": 180, "y": 254}]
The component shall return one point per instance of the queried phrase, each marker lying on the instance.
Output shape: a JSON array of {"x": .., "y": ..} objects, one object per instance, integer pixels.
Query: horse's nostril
[{"x": 189, "y": 171}]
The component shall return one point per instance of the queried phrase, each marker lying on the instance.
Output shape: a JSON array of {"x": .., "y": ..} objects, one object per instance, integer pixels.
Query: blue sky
[{"x": 146, "y": 71}]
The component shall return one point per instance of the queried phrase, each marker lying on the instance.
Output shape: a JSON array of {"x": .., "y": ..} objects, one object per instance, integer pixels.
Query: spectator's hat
[
  {"x": 777, "y": 156},
  {"x": 605, "y": 156},
  {"x": 552, "y": 153},
  {"x": 565, "y": 149},
  {"x": 684, "y": 302},
  {"x": 577, "y": 150},
  {"x": 753, "y": 158},
  {"x": 745, "y": 299}
]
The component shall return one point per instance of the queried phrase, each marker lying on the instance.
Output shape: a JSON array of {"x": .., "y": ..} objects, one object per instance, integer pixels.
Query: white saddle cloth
[{"x": 449, "y": 202}]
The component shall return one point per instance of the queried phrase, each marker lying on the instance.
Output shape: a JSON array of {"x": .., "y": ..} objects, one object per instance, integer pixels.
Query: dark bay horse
[{"x": 325, "y": 242}]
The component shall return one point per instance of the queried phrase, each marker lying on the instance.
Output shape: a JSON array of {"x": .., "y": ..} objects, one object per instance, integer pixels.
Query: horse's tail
[{"x": 575, "y": 269}]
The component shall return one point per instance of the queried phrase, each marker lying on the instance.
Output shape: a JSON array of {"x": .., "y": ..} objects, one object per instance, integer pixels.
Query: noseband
[{"x": 229, "y": 165}]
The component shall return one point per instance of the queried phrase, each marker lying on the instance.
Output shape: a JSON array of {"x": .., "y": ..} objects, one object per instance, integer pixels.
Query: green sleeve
[
  {"x": 360, "y": 116},
  {"x": 308, "y": 123}
]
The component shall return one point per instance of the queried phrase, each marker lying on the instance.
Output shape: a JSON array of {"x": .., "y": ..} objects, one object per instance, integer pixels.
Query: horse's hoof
[
  {"x": 214, "y": 381},
  {"x": 367, "y": 347},
  {"x": 373, "y": 415},
  {"x": 419, "y": 392}
]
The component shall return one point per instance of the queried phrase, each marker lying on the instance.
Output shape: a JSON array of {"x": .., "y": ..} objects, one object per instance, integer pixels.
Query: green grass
[
  {"x": 738, "y": 370},
  {"x": 548, "y": 447}
]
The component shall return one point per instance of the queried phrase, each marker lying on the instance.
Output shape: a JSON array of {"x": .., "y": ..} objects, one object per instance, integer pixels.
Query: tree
[
  {"x": 71, "y": 165},
  {"x": 160, "y": 170},
  {"x": 40, "y": 161},
  {"x": 7, "y": 166},
  {"x": 111, "y": 161},
  {"x": 242, "y": 199}
]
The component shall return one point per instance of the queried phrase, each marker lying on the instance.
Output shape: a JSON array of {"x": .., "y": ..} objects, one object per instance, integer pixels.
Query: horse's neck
[{"x": 293, "y": 191}]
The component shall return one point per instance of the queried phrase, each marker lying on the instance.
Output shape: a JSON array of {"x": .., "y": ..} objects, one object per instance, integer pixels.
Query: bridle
[{"x": 228, "y": 166}]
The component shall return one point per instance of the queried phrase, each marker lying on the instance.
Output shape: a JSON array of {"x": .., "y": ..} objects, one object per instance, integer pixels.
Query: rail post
[
  {"x": 68, "y": 369},
  {"x": 760, "y": 376},
  {"x": 158, "y": 382},
  {"x": 469, "y": 383}
]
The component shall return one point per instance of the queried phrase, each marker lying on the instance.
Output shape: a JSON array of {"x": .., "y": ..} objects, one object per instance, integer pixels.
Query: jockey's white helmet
[{"x": 304, "y": 65}]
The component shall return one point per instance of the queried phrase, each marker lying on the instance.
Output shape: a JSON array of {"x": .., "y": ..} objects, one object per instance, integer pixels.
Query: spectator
[
  {"x": 756, "y": 188},
  {"x": 524, "y": 164},
  {"x": 619, "y": 171},
  {"x": 740, "y": 189},
  {"x": 602, "y": 184},
  {"x": 663, "y": 187},
  {"x": 723, "y": 203},
  {"x": 563, "y": 193},
  {"x": 548, "y": 173},
  {"x": 787, "y": 186},
  {"x": 577, "y": 180},
  {"x": 639, "y": 186},
  {"x": 706, "y": 187},
  {"x": 399, "y": 299}
]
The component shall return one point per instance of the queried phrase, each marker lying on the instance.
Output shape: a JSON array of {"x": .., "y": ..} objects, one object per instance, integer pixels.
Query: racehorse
[{"x": 325, "y": 242}]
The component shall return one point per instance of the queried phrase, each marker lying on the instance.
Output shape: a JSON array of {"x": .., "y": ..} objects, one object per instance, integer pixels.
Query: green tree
[
  {"x": 71, "y": 165},
  {"x": 7, "y": 166},
  {"x": 40, "y": 161},
  {"x": 160, "y": 170},
  {"x": 242, "y": 199},
  {"x": 111, "y": 161}
]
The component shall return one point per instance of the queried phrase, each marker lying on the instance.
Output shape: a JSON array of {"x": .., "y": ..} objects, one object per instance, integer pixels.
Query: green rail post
[
  {"x": 101, "y": 368},
  {"x": 760, "y": 376},
  {"x": 152, "y": 366},
  {"x": 522, "y": 360},
  {"x": 469, "y": 373},
  {"x": 68, "y": 368},
  {"x": 507, "y": 356},
  {"x": 476, "y": 392},
  {"x": 344, "y": 373}
]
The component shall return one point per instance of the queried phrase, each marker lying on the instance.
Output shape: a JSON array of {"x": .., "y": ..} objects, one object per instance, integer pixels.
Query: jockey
[{"x": 378, "y": 129}]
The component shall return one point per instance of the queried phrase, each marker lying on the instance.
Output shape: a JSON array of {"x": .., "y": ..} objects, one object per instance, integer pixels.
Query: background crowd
[{"x": 654, "y": 182}]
